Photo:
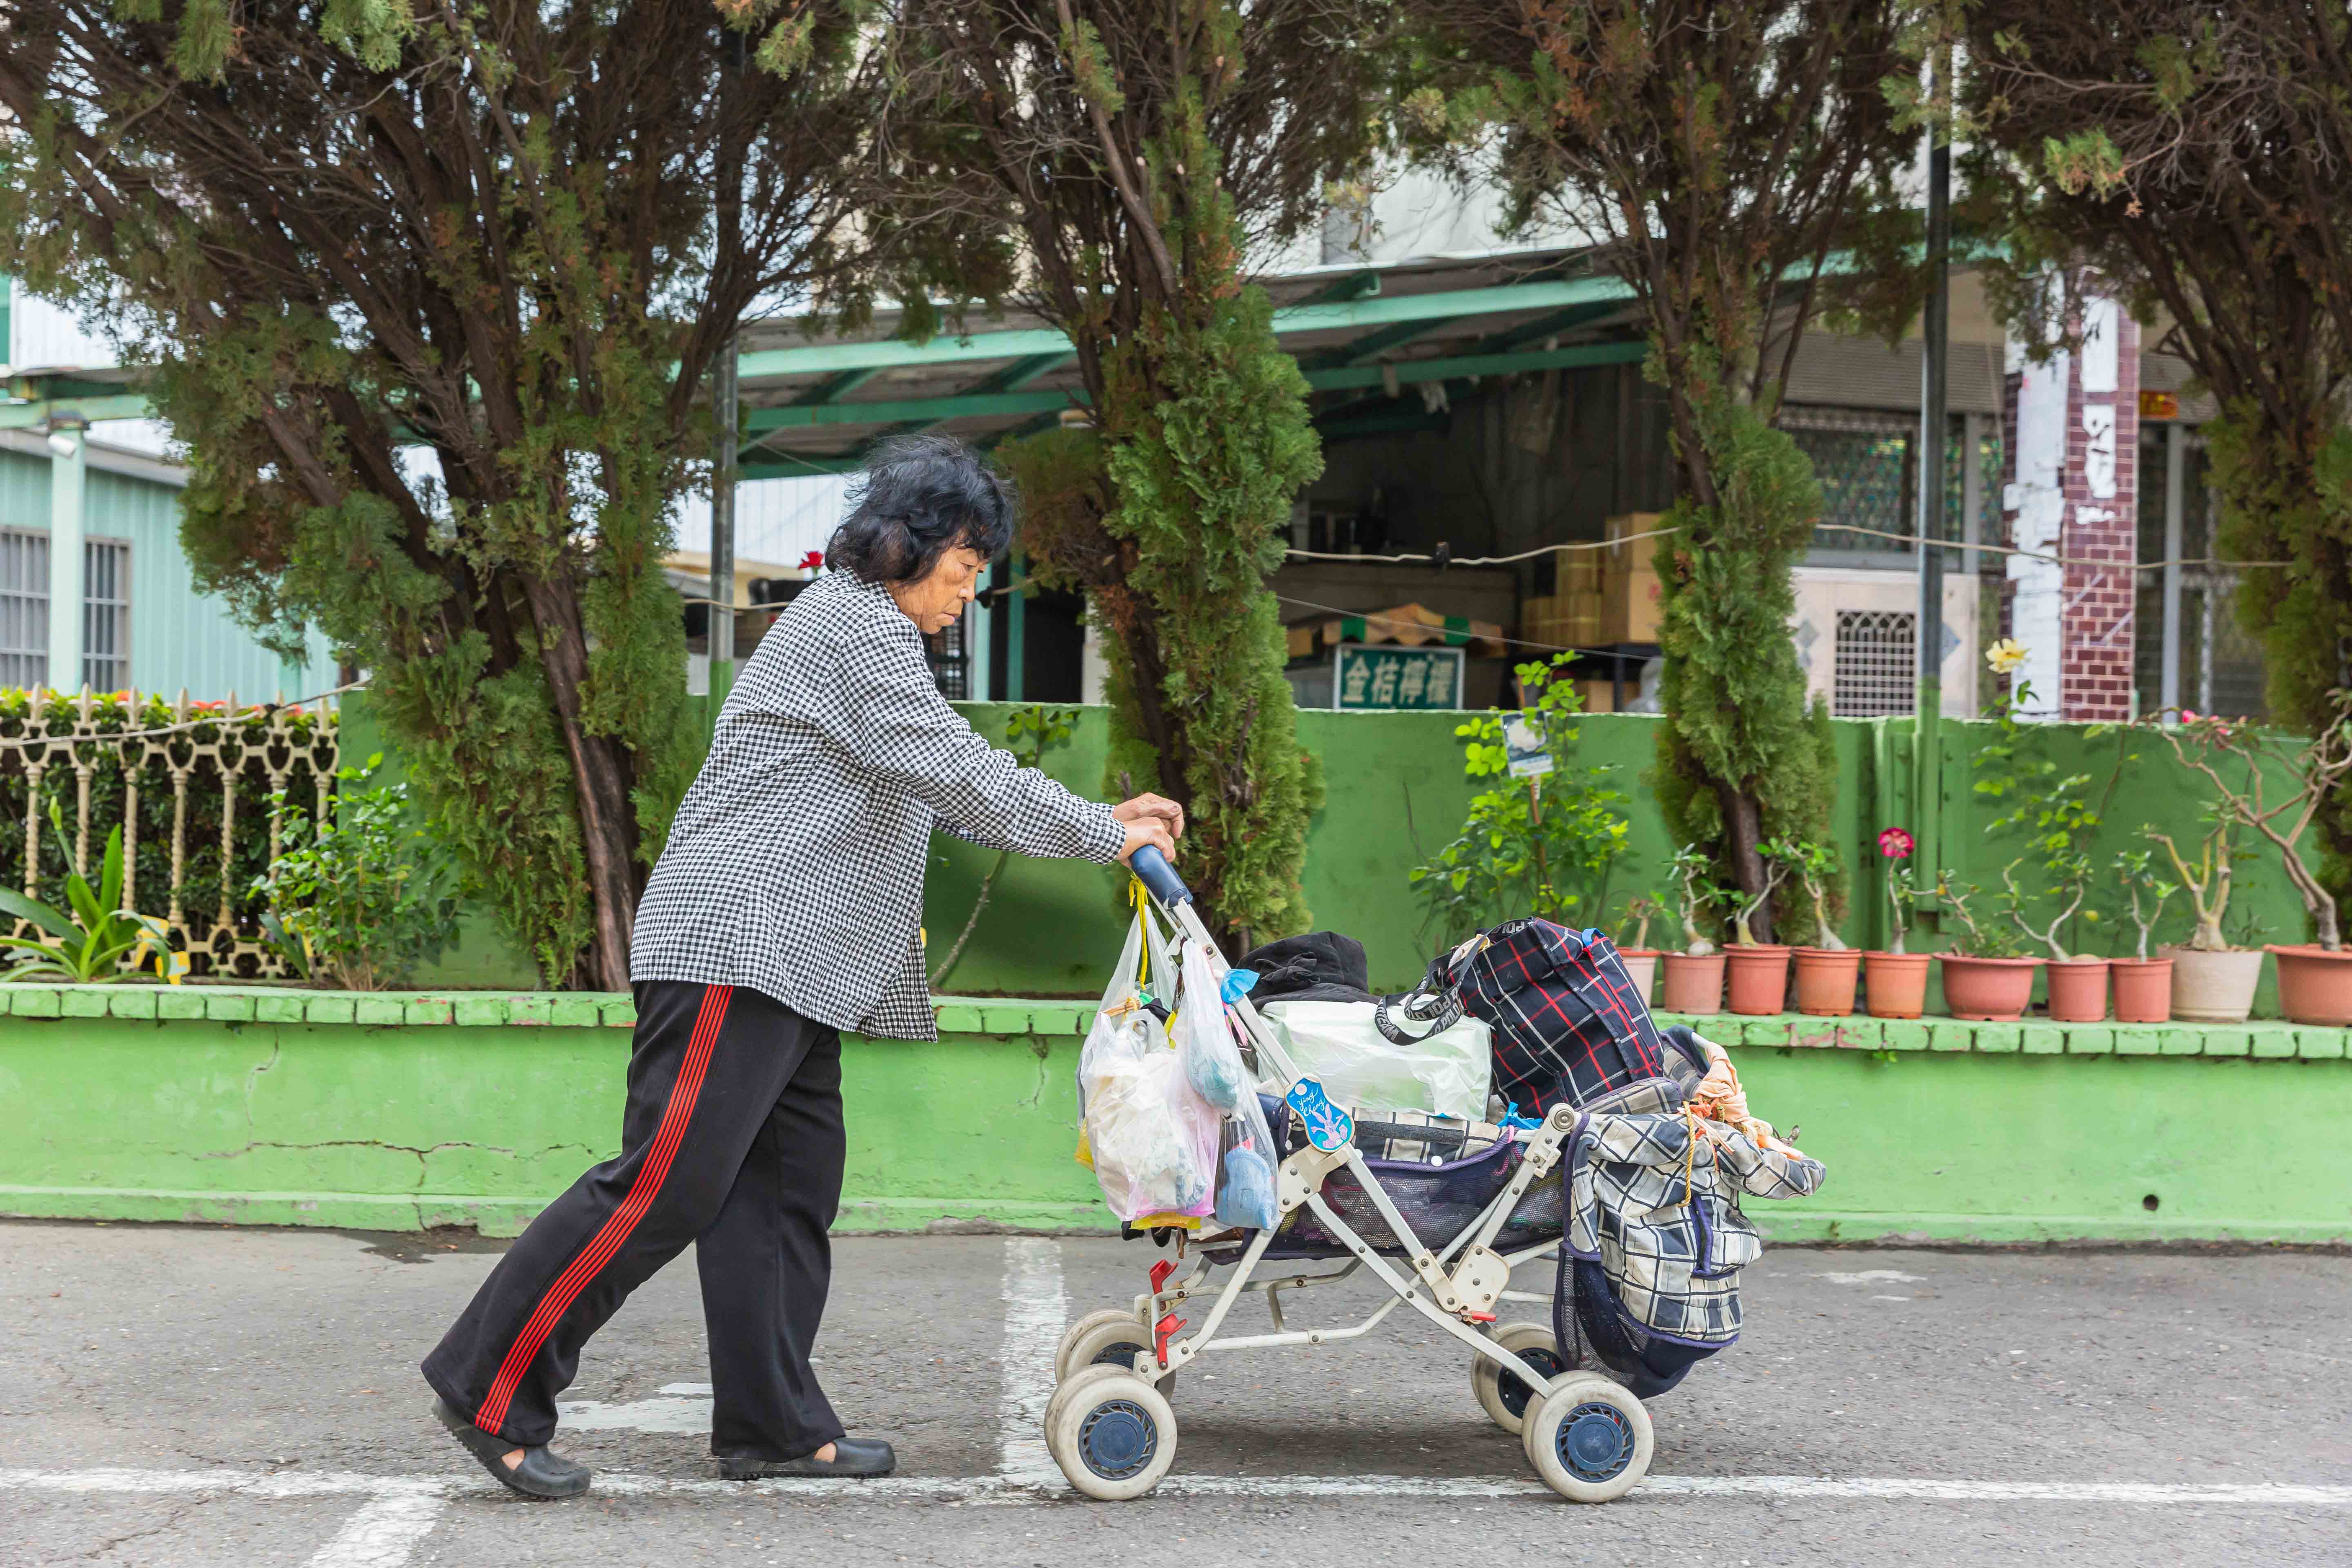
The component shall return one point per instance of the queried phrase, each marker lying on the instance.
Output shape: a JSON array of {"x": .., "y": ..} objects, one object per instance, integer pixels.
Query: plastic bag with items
[
  {"x": 1443, "y": 1071},
  {"x": 1215, "y": 1070},
  {"x": 1151, "y": 1140}
]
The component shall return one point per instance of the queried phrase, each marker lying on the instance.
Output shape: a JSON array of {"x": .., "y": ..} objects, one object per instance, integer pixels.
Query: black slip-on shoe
[
  {"x": 540, "y": 1475},
  {"x": 851, "y": 1457}
]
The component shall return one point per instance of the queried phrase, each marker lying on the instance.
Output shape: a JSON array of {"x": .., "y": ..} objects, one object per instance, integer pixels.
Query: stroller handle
[{"x": 1158, "y": 875}]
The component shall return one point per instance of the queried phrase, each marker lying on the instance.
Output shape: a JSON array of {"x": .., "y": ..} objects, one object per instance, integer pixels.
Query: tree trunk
[{"x": 1743, "y": 818}]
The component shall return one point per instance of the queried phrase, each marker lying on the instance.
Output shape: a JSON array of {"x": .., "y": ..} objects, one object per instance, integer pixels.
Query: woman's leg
[
  {"x": 766, "y": 1264},
  {"x": 703, "y": 1070}
]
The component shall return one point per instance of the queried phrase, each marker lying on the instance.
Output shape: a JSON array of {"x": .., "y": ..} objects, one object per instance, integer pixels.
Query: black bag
[
  {"x": 1320, "y": 967},
  {"x": 1568, "y": 1022}
]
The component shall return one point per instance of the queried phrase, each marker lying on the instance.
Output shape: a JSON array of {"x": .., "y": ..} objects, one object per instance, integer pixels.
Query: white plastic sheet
[{"x": 1446, "y": 1073}]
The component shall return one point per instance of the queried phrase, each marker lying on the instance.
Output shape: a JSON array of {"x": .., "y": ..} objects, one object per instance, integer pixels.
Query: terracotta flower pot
[
  {"x": 1693, "y": 984},
  {"x": 1988, "y": 990},
  {"x": 1826, "y": 977},
  {"x": 2078, "y": 991},
  {"x": 1894, "y": 985},
  {"x": 2315, "y": 985},
  {"x": 1641, "y": 969},
  {"x": 2213, "y": 987},
  {"x": 1759, "y": 978},
  {"x": 2143, "y": 990}
]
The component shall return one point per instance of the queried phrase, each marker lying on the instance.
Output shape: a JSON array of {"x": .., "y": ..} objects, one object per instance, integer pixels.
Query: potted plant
[
  {"x": 1694, "y": 977},
  {"x": 2078, "y": 983},
  {"x": 1758, "y": 971},
  {"x": 2314, "y": 978},
  {"x": 1894, "y": 983},
  {"x": 2212, "y": 981},
  {"x": 1985, "y": 978},
  {"x": 2143, "y": 984},
  {"x": 1827, "y": 970},
  {"x": 1633, "y": 942}
]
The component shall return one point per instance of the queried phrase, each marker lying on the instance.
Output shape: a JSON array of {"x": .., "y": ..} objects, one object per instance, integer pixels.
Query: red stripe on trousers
[{"x": 616, "y": 1231}]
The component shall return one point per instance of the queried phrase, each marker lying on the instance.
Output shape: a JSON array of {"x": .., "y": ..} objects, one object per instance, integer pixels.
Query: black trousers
[{"x": 732, "y": 1139}]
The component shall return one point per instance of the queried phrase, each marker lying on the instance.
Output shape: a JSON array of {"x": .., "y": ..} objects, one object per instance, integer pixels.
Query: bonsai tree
[
  {"x": 1640, "y": 910},
  {"x": 1975, "y": 940},
  {"x": 2135, "y": 868},
  {"x": 1747, "y": 905},
  {"x": 2072, "y": 873},
  {"x": 2207, "y": 882},
  {"x": 1691, "y": 869},
  {"x": 1812, "y": 864},
  {"x": 2314, "y": 769},
  {"x": 1895, "y": 847}
]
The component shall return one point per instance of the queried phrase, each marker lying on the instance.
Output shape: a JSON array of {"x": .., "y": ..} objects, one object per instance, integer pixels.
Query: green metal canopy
[{"x": 1362, "y": 335}]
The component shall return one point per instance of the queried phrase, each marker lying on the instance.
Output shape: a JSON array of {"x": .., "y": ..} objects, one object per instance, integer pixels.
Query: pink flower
[{"x": 1894, "y": 844}]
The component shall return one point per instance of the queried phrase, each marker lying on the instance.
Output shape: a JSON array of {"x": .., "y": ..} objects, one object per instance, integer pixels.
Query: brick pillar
[
  {"x": 2071, "y": 450},
  {"x": 2102, "y": 490}
]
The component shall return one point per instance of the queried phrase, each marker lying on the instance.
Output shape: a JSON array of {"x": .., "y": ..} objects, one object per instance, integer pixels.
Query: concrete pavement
[{"x": 179, "y": 1394}]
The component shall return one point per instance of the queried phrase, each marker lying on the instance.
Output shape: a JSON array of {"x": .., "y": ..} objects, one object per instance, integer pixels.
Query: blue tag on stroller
[{"x": 1328, "y": 1128}]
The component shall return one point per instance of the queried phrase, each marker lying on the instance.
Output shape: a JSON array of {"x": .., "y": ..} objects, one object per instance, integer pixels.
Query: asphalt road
[{"x": 189, "y": 1395}]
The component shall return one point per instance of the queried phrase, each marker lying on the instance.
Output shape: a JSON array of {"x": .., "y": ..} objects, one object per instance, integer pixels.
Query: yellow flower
[{"x": 2005, "y": 655}]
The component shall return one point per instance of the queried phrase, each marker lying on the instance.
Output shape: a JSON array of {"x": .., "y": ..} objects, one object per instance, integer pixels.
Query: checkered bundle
[{"x": 1568, "y": 1021}]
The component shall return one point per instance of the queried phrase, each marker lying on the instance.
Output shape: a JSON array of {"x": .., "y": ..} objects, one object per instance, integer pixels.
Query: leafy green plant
[
  {"x": 1029, "y": 731},
  {"x": 94, "y": 937},
  {"x": 1696, "y": 891},
  {"x": 2146, "y": 890},
  {"x": 1639, "y": 911},
  {"x": 1812, "y": 865},
  {"x": 1895, "y": 847},
  {"x": 361, "y": 893},
  {"x": 2072, "y": 872},
  {"x": 1542, "y": 844},
  {"x": 1975, "y": 940},
  {"x": 2051, "y": 807}
]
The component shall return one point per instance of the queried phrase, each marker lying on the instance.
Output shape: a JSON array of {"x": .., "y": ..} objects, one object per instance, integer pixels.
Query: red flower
[
  {"x": 1894, "y": 844},
  {"x": 813, "y": 560}
]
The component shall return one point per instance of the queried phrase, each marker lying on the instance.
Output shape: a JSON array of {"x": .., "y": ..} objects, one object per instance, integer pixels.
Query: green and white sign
[{"x": 1394, "y": 677}]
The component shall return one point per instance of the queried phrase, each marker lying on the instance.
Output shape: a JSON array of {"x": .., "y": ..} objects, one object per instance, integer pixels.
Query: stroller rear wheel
[
  {"x": 1589, "y": 1438},
  {"x": 1114, "y": 1435},
  {"x": 1106, "y": 1339},
  {"x": 1501, "y": 1392}
]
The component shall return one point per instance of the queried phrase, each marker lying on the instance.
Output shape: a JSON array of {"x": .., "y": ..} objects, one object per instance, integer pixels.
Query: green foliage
[
  {"x": 1742, "y": 759},
  {"x": 361, "y": 893},
  {"x": 1543, "y": 844},
  {"x": 2146, "y": 890},
  {"x": 1695, "y": 892},
  {"x": 88, "y": 941},
  {"x": 1990, "y": 938},
  {"x": 2054, "y": 811},
  {"x": 1812, "y": 865}
]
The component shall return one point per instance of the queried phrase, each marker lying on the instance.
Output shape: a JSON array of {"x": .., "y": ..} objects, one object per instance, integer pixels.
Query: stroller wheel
[
  {"x": 1589, "y": 1438},
  {"x": 1500, "y": 1392},
  {"x": 1114, "y": 1435},
  {"x": 1106, "y": 1339}
]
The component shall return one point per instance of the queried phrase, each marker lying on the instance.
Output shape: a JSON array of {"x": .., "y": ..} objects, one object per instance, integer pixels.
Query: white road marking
[
  {"x": 384, "y": 1533},
  {"x": 273, "y": 1485},
  {"x": 1036, "y": 1311},
  {"x": 666, "y": 1415},
  {"x": 1872, "y": 1277}
]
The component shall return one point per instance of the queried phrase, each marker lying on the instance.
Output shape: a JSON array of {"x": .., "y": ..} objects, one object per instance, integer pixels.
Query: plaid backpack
[{"x": 1567, "y": 1022}]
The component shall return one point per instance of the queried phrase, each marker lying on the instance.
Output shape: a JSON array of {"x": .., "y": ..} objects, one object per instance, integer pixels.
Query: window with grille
[
  {"x": 25, "y": 611},
  {"x": 1877, "y": 663},
  {"x": 106, "y": 615},
  {"x": 1863, "y": 461},
  {"x": 23, "y": 608},
  {"x": 950, "y": 654}
]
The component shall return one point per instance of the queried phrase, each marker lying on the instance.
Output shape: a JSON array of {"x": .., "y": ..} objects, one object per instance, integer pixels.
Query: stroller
[{"x": 1440, "y": 1213}]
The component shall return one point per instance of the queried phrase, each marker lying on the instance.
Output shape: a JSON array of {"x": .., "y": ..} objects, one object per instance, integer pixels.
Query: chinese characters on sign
[{"x": 1393, "y": 678}]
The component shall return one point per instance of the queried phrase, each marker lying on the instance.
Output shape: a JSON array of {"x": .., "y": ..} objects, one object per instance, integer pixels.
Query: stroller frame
[{"x": 1593, "y": 1433}]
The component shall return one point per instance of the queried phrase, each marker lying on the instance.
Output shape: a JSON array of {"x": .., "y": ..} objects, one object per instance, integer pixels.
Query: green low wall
[{"x": 401, "y": 1111}]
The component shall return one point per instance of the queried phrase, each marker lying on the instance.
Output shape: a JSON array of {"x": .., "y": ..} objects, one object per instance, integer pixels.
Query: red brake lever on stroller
[
  {"x": 1160, "y": 1273},
  {"x": 1161, "y": 1333}
]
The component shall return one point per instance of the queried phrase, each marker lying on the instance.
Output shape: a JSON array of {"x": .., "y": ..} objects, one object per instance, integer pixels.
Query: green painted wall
[{"x": 453, "y": 1117}]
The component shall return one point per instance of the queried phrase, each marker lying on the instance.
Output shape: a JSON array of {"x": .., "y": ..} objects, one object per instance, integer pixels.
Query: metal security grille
[
  {"x": 949, "y": 653},
  {"x": 23, "y": 608},
  {"x": 106, "y": 615},
  {"x": 1877, "y": 663},
  {"x": 1863, "y": 460}
]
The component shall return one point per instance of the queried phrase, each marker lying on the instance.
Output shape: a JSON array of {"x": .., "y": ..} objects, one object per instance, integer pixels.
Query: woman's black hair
[{"x": 920, "y": 496}]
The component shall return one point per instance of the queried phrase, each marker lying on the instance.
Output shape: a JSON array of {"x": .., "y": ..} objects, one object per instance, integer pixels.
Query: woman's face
[{"x": 934, "y": 600}]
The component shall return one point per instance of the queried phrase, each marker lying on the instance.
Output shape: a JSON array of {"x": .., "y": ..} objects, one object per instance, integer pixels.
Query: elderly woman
[{"x": 784, "y": 910}]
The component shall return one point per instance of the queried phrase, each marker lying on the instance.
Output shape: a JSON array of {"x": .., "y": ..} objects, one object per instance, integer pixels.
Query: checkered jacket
[
  {"x": 1662, "y": 1217},
  {"x": 794, "y": 865}
]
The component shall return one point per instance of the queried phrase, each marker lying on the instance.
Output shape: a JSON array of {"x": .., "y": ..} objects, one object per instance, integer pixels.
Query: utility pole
[
  {"x": 1936, "y": 340},
  {"x": 69, "y": 459},
  {"x": 724, "y": 416}
]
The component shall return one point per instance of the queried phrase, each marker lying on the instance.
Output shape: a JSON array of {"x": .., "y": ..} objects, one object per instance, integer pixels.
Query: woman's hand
[{"x": 1149, "y": 819}]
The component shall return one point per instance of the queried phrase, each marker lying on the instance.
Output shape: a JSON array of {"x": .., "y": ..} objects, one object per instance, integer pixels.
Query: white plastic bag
[
  {"x": 1445, "y": 1073},
  {"x": 1154, "y": 1142},
  {"x": 1215, "y": 1070}
]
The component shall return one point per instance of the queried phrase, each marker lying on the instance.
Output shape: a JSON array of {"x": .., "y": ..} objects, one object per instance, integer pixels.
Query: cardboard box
[
  {"x": 1599, "y": 696},
  {"x": 1630, "y": 595}
]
